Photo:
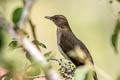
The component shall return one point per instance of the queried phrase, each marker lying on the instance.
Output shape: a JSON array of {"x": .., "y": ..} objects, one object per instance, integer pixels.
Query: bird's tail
[{"x": 95, "y": 77}]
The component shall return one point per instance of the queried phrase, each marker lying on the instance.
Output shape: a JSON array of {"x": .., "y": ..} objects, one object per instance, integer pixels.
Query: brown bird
[{"x": 67, "y": 41}]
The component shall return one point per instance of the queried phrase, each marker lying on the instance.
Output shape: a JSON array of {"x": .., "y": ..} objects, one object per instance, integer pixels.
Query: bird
[{"x": 67, "y": 41}]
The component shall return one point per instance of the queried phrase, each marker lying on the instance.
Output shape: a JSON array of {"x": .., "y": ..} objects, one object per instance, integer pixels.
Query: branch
[
  {"x": 8, "y": 27},
  {"x": 28, "y": 46},
  {"x": 25, "y": 14}
]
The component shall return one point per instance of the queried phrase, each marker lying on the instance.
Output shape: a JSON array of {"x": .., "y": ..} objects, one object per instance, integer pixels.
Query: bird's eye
[{"x": 55, "y": 18}]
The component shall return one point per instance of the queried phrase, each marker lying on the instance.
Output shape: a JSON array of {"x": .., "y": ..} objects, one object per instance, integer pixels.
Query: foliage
[
  {"x": 36, "y": 42},
  {"x": 5, "y": 63},
  {"x": 118, "y": 78},
  {"x": 16, "y": 15},
  {"x": 114, "y": 38},
  {"x": 48, "y": 55},
  {"x": 83, "y": 73},
  {"x": 13, "y": 44}
]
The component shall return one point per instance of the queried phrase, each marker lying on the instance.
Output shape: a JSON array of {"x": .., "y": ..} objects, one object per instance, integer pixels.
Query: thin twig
[
  {"x": 58, "y": 60},
  {"x": 33, "y": 32},
  {"x": 32, "y": 27},
  {"x": 33, "y": 77}
]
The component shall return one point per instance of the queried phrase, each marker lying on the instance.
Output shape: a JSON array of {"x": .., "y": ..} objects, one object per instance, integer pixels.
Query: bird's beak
[{"x": 48, "y": 17}]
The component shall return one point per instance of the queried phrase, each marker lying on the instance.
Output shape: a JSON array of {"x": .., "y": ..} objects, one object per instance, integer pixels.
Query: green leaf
[
  {"x": 48, "y": 54},
  {"x": 43, "y": 45},
  {"x": 118, "y": 78},
  {"x": 36, "y": 42},
  {"x": 89, "y": 75},
  {"x": 29, "y": 57},
  {"x": 114, "y": 38},
  {"x": 16, "y": 15},
  {"x": 13, "y": 44},
  {"x": 83, "y": 73},
  {"x": 114, "y": 42}
]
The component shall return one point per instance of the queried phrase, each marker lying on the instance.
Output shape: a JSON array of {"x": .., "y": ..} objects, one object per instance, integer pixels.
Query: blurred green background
[{"x": 92, "y": 21}]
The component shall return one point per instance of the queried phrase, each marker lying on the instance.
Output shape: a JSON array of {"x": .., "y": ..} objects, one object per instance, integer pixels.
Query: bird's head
[{"x": 59, "y": 20}]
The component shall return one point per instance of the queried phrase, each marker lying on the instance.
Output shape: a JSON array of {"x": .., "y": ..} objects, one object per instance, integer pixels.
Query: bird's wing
[{"x": 69, "y": 41}]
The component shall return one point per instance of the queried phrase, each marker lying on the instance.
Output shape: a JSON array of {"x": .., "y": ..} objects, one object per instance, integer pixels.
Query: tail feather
[{"x": 95, "y": 77}]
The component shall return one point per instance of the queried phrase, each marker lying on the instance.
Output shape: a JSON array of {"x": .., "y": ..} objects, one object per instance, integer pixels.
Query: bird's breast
[{"x": 59, "y": 34}]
